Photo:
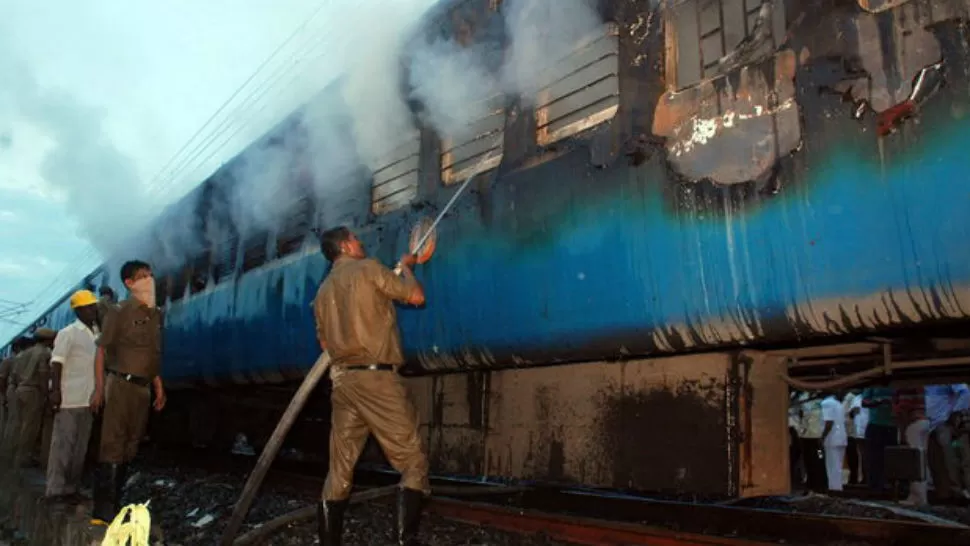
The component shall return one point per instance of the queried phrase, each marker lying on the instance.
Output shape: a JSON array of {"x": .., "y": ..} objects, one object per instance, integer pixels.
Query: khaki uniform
[
  {"x": 357, "y": 321},
  {"x": 104, "y": 309},
  {"x": 32, "y": 370},
  {"x": 6, "y": 400},
  {"x": 132, "y": 339}
]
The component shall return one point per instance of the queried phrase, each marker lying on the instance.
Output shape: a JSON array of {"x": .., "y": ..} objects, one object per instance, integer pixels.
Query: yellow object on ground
[{"x": 133, "y": 532}]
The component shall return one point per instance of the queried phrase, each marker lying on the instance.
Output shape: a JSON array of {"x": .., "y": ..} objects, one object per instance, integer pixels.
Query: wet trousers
[
  {"x": 373, "y": 402},
  {"x": 69, "y": 445},
  {"x": 30, "y": 410},
  {"x": 917, "y": 435},
  {"x": 125, "y": 417},
  {"x": 834, "y": 456}
]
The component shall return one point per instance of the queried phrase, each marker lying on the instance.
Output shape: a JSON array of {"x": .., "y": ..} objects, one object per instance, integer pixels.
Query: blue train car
[
  {"x": 637, "y": 214},
  {"x": 653, "y": 207},
  {"x": 701, "y": 175}
]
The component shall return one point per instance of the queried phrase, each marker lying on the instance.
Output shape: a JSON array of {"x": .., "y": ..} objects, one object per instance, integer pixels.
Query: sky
[{"x": 108, "y": 91}]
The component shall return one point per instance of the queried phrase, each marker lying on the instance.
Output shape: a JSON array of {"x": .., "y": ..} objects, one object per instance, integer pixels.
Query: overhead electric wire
[{"x": 156, "y": 181}]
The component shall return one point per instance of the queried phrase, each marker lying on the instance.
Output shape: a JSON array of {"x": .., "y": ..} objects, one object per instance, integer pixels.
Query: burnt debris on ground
[{"x": 192, "y": 507}]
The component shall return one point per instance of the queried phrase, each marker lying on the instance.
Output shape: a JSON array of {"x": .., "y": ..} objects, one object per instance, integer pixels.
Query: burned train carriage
[{"x": 702, "y": 174}]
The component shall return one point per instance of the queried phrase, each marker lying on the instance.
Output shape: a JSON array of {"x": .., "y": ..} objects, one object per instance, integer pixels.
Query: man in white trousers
[{"x": 834, "y": 440}]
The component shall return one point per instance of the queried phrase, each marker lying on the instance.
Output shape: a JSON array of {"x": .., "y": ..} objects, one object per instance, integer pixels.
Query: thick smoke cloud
[
  {"x": 541, "y": 33},
  {"x": 98, "y": 181},
  {"x": 344, "y": 132},
  {"x": 352, "y": 127},
  {"x": 456, "y": 82}
]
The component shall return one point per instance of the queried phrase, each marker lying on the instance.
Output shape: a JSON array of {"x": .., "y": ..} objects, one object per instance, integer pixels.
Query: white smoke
[
  {"x": 99, "y": 182},
  {"x": 356, "y": 123},
  {"x": 542, "y": 33},
  {"x": 364, "y": 115},
  {"x": 453, "y": 85}
]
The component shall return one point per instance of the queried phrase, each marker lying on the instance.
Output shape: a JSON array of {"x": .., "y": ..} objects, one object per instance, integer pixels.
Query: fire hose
[{"x": 320, "y": 367}]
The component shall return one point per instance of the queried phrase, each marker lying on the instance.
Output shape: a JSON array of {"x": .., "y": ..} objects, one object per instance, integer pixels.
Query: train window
[
  {"x": 479, "y": 152},
  {"x": 254, "y": 254},
  {"x": 479, "y": 146},
  {"x": 199, "y": 276},
  {"x": 161, "y": 290},
  {"x": 703, "y": 37},
  {"x": 178, "y": 282},
  {"x": 295, "y": 226},
  {"x": 396, "y": 183},
  {"x": 583, "y": 88},
  {"x": 224, "y": 257}
]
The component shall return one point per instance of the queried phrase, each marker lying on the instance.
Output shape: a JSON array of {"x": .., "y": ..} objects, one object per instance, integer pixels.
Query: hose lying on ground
[{"x": 272, "y": 447}]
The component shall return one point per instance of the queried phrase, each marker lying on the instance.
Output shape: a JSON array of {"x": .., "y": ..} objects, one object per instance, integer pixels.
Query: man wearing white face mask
[{"x": 127, "y": 368}]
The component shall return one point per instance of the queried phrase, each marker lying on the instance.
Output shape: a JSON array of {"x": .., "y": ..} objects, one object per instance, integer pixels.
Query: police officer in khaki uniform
[
  {"x": 127, "y": 368},
  {"x": 357, "y": 324},
  {"x": 8, "y": 390},
  {"x": 32, "y": 370}
]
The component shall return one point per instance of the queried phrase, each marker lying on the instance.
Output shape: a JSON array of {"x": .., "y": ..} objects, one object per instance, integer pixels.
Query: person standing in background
[
  {"x": 857, "y": 419},
  {"x": 795, "y": 463},
  {"x": 72, "y": 366},
  {"x": 834, "y": 440},
  {"x": 909, "y": 407},
  {"x": 8, "y": 397},
  {"x": 941, "y": 403},
  {"x": 127, "y": 368},
  {"x": 881, "y": 432},
  {"x": 811, "y": 435},
  {"x": 32, "y": 371},
  {"x": 960, "y": 421}
]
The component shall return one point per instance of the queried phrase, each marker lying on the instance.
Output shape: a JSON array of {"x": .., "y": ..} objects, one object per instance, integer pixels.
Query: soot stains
[{"x": 667, "y": 440}]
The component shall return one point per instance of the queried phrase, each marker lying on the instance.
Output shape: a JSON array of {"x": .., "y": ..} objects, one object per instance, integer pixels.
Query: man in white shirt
[
  {"x": 72, "y": 367},
  {"x": 834, "y": 440}
]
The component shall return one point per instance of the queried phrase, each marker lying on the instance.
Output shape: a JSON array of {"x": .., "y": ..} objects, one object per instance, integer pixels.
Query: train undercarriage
[{"x": 711, "y": 424}]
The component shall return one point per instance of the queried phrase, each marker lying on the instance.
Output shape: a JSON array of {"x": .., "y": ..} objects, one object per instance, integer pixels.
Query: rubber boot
[
  {"x": 330, "y": 522},
  {"x": 409, "y": 505},
  {"x": 105, "y": 490}
]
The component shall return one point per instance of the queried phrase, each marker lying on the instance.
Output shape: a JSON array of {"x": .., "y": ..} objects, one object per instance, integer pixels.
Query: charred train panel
[{"x": 674, "y": 425}]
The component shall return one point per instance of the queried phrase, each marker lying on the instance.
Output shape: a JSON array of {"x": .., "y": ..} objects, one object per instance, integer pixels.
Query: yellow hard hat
[{"x": 82, "y": 298}]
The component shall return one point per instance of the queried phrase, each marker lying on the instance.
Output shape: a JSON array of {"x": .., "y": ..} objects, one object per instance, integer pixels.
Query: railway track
[
  {"x": 602, "y": 518},
  {"x": 572, "y": 529}
]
